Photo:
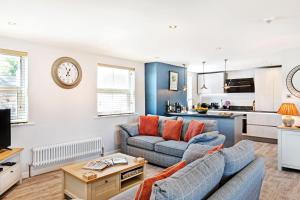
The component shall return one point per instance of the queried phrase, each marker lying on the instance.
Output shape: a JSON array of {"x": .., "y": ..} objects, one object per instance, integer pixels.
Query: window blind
[
  {"x": 13, "y": 84},
  {"x": 115, "y": 90}
]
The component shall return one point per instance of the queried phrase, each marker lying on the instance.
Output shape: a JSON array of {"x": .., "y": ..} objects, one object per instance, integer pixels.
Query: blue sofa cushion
[
  {"x": 144, "y": 142},
  {"x": 196, "y": 181},
  {"x": 131, "y": 129},
  {"x": 209, "y": 125},
  {"x": 204, "y": 137},
  {"x": 195, "y": 151},
  {"x": 238, "y": 157},
  {"x": 171, "y": 147}
]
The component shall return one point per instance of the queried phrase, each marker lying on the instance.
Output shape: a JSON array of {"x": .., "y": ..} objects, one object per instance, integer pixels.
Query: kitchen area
[
  {"x": 254, "y": 93},
  {"x": 243, "y": 102}
]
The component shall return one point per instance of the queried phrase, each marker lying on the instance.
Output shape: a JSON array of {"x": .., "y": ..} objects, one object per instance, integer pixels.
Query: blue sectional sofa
[
  {"x": 158, "y": 151},
  {"x": 232, "y": 174}
]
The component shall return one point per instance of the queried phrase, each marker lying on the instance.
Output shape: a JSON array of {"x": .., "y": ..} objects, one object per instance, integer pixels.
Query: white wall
[
  {"x": 289, "y": 59},
  {"x": 61, "y": 115}
]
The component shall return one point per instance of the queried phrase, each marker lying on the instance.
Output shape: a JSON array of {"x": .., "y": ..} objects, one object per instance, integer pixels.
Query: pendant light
[
  {"x": 203, "y": 86},
  {"x": 184, "y": 88},
  {"x": 226, "y": 86}
]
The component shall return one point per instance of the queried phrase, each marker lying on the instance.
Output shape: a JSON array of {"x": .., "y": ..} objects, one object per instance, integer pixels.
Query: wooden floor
[{"x": 278, "y": 185}]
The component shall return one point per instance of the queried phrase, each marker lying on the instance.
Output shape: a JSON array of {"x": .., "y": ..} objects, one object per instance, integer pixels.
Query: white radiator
[{"x": 57, "y": 153}]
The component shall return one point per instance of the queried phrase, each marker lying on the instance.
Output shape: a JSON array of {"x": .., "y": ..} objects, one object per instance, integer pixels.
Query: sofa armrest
[
  {"x": 219, "y": 139},
  {"x": 124, "y": 137},
  {"x": 245, "y": 185}
]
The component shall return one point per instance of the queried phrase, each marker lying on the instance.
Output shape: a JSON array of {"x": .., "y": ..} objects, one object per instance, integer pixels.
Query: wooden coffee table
[{"x": 108, "y": 183}]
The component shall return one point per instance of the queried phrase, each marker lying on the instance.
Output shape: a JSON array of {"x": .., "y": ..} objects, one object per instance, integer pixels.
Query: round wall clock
[{"x": 66, "y": 72}]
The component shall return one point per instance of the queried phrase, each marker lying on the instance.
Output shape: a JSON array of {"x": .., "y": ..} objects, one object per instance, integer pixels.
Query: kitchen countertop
[
  {"x": 189, "y": 113},
  {"x": 227, "y": 110}
]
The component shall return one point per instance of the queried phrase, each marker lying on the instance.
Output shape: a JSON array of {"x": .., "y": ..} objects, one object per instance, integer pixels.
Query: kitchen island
[{"x": 228, "y": 125}]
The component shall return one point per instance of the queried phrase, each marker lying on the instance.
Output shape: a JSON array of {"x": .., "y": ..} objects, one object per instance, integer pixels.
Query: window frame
[
  {"x": 117, "y": 91},
  {"x": 23, "y": 88}
]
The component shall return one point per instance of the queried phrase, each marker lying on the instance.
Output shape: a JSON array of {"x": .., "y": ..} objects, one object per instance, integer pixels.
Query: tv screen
[{"x": 5, "y": 129}]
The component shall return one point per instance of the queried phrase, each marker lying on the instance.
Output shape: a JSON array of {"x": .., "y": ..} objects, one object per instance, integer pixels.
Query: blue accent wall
[
  {"x": 150, "y": 88},
  {"x": 157, "y": 87}
]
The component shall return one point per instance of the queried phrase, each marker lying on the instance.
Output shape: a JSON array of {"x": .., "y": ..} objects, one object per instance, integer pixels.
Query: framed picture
[{"x": 173, "y": 78}]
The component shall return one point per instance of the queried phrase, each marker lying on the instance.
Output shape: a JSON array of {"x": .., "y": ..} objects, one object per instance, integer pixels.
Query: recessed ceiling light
[
  {"x": 11, "y": 23},
  {"x": 269, "y": 20},
  {"x": 172, "y": 26}
]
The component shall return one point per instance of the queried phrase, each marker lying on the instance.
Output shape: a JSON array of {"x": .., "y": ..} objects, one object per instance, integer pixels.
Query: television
[{"x": 5, "y": 129}]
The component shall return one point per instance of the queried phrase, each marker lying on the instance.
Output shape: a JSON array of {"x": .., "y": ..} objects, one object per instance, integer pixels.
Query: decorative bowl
[{"x": 202, "y": 111}]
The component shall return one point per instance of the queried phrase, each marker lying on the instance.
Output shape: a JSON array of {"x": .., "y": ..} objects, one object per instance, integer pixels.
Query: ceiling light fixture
[
  {"x": 172, "y": 26},
  {"x": 203, "y": 77},
  {"x": 11, "y": 23},
  {"x": 269, "y": 20}
]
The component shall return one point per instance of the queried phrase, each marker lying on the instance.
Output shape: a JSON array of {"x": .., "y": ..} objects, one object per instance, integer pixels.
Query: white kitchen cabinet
[
  {"x": 263, "y": 124},
  {"x": 264, "y": 119},
  {"x": 213, "y": 81},
  {"x": 262, "y": 131},
  {"x": 288, "y": 148},
  {"x": 268, "y": 89}
]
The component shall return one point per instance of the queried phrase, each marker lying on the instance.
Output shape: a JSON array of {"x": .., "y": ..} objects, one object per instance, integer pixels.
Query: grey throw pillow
[
  {"x": 194, "y": 152},
  {"x": 204, "y": 137},
  {"x": 210, "y": 125},
  {"x": 131, "y": 129},
  {"x": 185, "y": 127},
  {"x": 238, "y": 157}
]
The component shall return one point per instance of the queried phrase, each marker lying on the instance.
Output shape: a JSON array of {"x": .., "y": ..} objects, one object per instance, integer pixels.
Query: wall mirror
[{"x": 293, "y": 81}]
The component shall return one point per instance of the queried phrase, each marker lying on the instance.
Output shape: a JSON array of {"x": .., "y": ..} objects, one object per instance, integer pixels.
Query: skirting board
[
  {"x": 36, "y": 172},
  {"x": 259, "y": 139}
]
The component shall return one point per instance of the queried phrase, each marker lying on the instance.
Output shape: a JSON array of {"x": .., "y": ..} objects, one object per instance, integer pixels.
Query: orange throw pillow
[
  {"x": 148, "y": 125},
  {"x": 145, "y": 189},
  {"x": 172, "y": 129},
  {"x": 195, "y": 128},
  {"x": 215, "y": 149}
]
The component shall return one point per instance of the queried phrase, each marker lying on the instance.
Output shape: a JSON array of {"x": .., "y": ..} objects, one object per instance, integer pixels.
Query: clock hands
[{"x": 68, "y": 71}]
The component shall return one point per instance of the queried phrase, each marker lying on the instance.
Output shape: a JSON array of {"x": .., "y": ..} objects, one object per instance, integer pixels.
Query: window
[
  {"x": 190, "y": 90},
  {"x": 13, "y": 84},
  {"x": 115, "y": 90}
]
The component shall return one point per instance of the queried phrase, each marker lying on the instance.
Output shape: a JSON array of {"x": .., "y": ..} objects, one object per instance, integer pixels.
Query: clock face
[{"x": 67, "y": 73}]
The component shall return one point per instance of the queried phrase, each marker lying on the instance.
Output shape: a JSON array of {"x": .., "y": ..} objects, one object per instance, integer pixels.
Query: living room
[{"x": 195, "y": 39}]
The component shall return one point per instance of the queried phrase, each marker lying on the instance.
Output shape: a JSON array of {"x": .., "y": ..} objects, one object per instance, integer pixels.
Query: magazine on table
[{"x": 102, "y": 164}]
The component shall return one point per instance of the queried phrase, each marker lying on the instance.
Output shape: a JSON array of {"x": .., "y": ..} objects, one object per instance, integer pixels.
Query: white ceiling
[{"x": 138, "y": 29}]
